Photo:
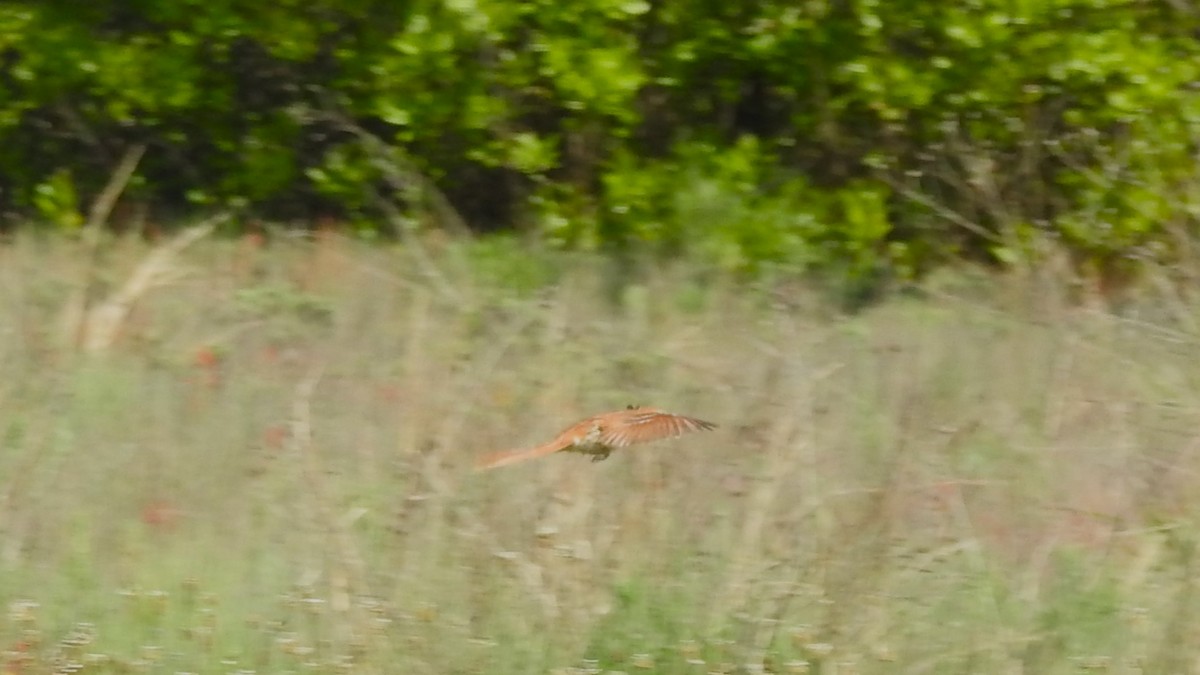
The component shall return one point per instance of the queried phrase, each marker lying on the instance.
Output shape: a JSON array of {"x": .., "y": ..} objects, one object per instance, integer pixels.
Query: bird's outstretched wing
[
  {"x": 616, "y": 430},
  {"x": 645, "y": 425}
]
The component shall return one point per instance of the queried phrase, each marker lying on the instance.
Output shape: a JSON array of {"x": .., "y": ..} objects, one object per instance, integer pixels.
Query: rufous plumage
[{"x": 599, "y": 435}]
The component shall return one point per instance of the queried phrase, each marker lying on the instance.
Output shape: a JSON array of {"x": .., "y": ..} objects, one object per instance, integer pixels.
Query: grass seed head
[{"x": 642, "y": 661}]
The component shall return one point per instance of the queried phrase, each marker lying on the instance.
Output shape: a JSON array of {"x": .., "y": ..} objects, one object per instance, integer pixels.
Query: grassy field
[{"x": 271, "y": 471}]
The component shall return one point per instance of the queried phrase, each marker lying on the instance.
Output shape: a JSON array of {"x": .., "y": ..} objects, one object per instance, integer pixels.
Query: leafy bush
[{"x": 858, "y": 136}]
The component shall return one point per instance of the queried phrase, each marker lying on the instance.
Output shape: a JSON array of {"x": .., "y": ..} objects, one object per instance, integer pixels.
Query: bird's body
[{"x": 599, "y": 435}]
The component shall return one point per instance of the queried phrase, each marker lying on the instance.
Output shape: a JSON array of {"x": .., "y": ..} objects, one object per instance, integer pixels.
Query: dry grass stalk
[
  {"x": 102, "y": 323},
  {"x": 347, "y": 572},
  {"x": 933, "y": 501},
  {"x": 75, "y": 312}
]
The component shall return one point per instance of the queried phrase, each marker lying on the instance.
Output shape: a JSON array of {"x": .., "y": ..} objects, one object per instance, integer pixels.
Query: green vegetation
[
  {"x": 270, "y": 471},
  {"x": 862, "y": 140},
  {"x": 252, "y": 452}
]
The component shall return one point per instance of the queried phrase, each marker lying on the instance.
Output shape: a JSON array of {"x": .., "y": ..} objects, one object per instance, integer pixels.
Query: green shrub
[{"x": 868, "y": 138}]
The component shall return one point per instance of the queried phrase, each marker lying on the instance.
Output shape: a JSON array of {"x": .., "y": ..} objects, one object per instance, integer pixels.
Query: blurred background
[{"x": 272, "y": 277}]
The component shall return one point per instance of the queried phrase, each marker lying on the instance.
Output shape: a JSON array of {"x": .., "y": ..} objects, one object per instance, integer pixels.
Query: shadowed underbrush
[{"x": 271, "y": 471}]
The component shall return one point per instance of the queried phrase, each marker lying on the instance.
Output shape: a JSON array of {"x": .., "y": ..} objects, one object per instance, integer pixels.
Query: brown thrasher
[{"x": 599, "y": 435}]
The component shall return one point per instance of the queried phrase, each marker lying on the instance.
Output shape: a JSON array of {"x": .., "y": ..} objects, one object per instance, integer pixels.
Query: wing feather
[
  {"x": 645, "y": 426},
  {"x": 616, "y": 430}
]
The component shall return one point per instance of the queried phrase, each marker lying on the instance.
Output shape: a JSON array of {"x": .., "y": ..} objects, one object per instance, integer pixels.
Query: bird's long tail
[{"x": 506, "y": 457}]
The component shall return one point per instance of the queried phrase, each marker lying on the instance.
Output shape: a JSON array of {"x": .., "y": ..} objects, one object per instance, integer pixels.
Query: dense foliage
[{"x": 855, "y": 135}]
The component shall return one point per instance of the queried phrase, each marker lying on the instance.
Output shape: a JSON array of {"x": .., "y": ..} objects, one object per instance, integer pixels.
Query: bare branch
[
  {"x": 102, "y": 323},
  {"x": 107, "y": 199}
]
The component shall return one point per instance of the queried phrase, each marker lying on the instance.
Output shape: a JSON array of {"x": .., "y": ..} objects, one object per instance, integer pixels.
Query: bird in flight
[{"x": 599, "y": 435}]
